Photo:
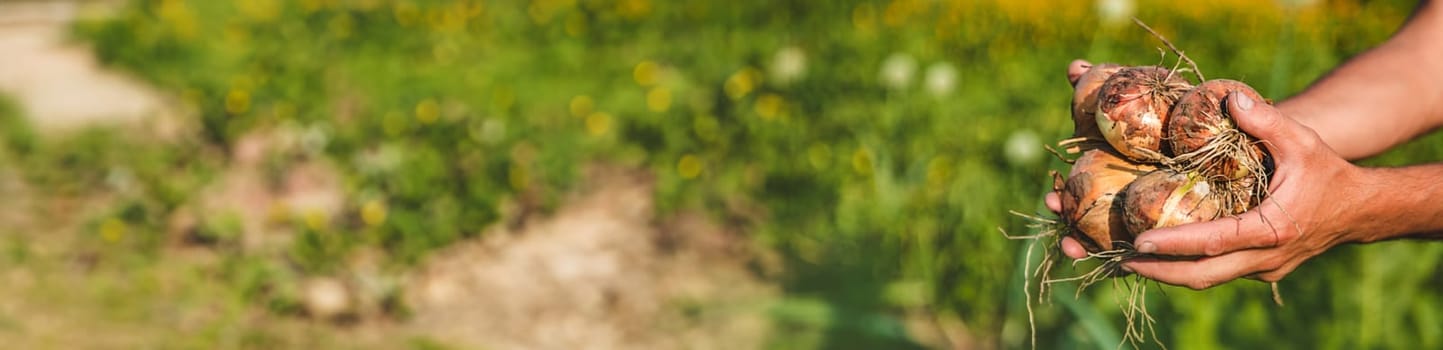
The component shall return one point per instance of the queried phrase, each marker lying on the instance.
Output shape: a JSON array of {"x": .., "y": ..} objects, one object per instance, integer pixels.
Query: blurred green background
[{"x": 866, "y": 151}]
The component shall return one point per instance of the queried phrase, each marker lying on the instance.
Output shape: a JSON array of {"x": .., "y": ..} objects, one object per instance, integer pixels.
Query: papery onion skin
[
  {"x": 1132, "y": 109},
  {"x": 1089, "y": 205},
  {"x": 1165, "y": 198},
  {"x": 1084, "y": 99},
  {"x": 1201, "y": 115}
]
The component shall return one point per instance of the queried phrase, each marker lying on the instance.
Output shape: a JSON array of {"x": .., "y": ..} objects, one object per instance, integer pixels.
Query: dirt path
[
  {"x": 57, "y": 83},
  {"x": 602, "y": 273}
]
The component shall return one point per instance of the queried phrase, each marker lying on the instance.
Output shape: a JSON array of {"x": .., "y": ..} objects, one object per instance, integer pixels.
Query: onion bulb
[
  {"x": 1165, "y": 198},
  {"x": 1202, "y": 133},
  {"x": 1084, "y": 99},
  {"x": 1132, "y": 107},
  {"x": 1088, "y": 198}
]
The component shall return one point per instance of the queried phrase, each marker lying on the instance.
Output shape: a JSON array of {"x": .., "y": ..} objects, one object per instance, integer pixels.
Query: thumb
[
  {"x": 1076, "y": 69},
  {"x": 1266, "y": 123}
]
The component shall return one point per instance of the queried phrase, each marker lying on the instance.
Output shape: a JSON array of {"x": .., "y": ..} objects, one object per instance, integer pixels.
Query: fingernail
[
  {"x": 1146, "y": 247},
  {"x": 1128, "y": 268},
  {"x": 1242, "y": 101}
]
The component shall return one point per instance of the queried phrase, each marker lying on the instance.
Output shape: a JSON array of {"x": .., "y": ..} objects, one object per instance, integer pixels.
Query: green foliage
[
  {"x": 828, "y": 129},
  {"x": 16, "y": 131}
]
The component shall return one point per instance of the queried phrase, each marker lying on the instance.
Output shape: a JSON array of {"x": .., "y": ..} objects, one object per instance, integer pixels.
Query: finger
[
  {"x": 1076, "y": 69},
  {"x": 1054, "y": 202},
  {"x": 1278, "y": 274},
  {"x": 1073, "y": 249},
  {"x": 1263, "y": 121},
  {"x": 1261, "y": 227},
  {"x": 1201, "y": 273}
]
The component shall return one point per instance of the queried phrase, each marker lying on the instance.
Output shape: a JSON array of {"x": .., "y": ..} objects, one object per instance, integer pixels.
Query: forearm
[
  {"x": 1393, "y": 203},
  {"x": 1383, "y": 97}
]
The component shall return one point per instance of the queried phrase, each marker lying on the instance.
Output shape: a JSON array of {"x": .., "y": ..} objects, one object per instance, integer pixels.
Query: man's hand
[{"x": 1308, "y": 210}]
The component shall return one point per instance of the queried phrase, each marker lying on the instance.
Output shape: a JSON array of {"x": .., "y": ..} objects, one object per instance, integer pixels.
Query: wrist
[
  {"x": 1365, "y": 206},
  {"x": 1394, "y": 203},
  {"x": 1306, "y": 108}
]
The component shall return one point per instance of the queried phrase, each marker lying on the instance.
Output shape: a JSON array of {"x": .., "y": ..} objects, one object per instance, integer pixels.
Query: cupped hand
[{"x": 1306, "y": 212}]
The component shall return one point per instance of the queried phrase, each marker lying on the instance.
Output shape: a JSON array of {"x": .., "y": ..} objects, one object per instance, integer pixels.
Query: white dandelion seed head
[
  {"x": 941, "y": 79},
  {"x": 789, "y": 65},
  {"x": 1113, "y": 12},
  {"x": 897, "y": 71},
  {"x": 1023, "y": 147}
]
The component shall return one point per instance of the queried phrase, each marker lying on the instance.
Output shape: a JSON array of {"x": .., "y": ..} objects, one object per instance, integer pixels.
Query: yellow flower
[
  {"x": 518, "y": 176},
  {"x": 769, "y": 106},
  {"x": 864, "y": 17},
  {"x": 689, "y": 166},
  {"x": 373, "y": 213},
  {"x": 598, "y": 123},
  {"x": 581, "y": 105},
  {"x": 178, "y": 15},
  {"x": 112, "y": 230},
  {"x": 259, "y": 10},
  {"x": 862, "y": 161},
  {"x": 238, "y": 101},
  {"x": 742, "y": 82},
  {"x": 658, "y": 99},
  {"x": 405, "y": 13},
  {"x": 575, "y": 25},
  {"x": 311, "y": 6},
  {"x": 646, "y": 73},
  {"x": 633, "y": 9},
  {"x": 469, "y": 8},
  {"x": 899, "y": 11},
  {"x": 428, "y": 111},
  {"x": 315, "y": 219}
]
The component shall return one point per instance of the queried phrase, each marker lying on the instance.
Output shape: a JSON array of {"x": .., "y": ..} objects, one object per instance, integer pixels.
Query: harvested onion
[
  {"x": 1201, "y": 132},
  {"x": 1165, "y": 198},
  {"x": 1088, "y": 198},
  {"x": 1084, "y": 99},
  {"x": 1132, "y": 107}
]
